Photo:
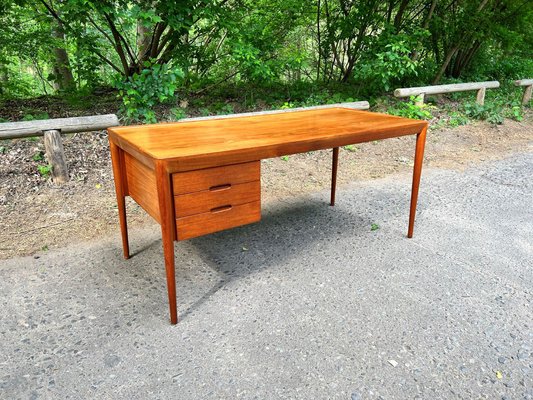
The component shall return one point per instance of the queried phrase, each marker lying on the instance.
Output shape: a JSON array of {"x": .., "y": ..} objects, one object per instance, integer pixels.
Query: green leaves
[
  {"x": 142, "y": 92},
  {"x": 409, "y": 109}
]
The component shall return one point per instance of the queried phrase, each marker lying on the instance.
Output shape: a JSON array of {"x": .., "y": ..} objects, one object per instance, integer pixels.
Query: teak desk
[{"x": 199, "y": 177}]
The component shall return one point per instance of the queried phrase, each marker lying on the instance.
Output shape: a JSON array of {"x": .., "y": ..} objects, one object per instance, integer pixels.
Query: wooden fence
[
  {"x": 52, "y": 129},
  {"x": 420, "y": 92}
]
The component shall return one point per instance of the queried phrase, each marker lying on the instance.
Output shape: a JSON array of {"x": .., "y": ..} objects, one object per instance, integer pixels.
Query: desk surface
[{"x": 200, "y": 144}]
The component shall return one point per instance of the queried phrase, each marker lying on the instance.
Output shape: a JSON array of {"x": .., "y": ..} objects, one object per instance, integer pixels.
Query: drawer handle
[
  {"x": 220, "y": 187},
  {"x": 221, "y": 209}
]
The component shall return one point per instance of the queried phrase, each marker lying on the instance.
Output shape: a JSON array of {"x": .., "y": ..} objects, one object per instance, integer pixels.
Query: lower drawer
[{"x": 218, "y": 220}]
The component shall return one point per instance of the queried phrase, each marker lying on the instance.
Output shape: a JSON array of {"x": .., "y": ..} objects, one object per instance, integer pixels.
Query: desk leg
[
  {"x": 417, "y": 171},
  {"x": 334, "y": 165},
  {"x": 168, "y": 233},
  {"x": 117, "y": 159}
]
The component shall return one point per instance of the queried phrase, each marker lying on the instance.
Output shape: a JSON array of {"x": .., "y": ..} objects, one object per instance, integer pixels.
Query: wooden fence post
[
  {"x": 56, "y": 155},
  {"x": 527, "y": 94},
  {"x": 420, "y": 100},
  {"x": 480, "y": 99},
  {"x": 528, "y": 89}
]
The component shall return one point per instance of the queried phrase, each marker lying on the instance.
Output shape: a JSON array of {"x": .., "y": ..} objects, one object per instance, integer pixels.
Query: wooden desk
[{"x": 199, "y": 177}]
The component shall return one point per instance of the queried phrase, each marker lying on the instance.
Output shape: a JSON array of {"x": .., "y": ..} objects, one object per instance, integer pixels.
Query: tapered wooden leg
[
  {"x": 117, "y": 159},
  {"x": 417, "y": 171},
  {"x": 334, "y": 165},
  {"x": 168, "y": 233}
]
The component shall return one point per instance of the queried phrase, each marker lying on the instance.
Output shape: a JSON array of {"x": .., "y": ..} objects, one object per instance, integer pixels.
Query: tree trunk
[
  {"x": 444, "y": 65},
  {"x": 4, "y": 78},
  {"x": 144, "y": 39},
  {"x": 399, "y": 16},
  {"x": 61, "y": 65}
]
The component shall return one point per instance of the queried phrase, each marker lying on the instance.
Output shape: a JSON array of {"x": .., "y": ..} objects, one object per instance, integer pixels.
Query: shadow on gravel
[{"x": 282, "y": 234}]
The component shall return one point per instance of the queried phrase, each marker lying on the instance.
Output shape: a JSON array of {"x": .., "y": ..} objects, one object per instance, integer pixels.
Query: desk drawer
[
  {"x": 218, "y": 220},
  {"x": 205, "y": 179},
  {"x": 206, "y": 200}
]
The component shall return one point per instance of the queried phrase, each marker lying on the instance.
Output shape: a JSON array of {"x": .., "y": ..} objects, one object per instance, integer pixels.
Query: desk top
[{"x": 206, "y": 143}]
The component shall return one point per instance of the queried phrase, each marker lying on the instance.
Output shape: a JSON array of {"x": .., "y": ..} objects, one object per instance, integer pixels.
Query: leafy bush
[
  {"x": 491, "y": 112},
  {"x": 457, "y": 119},
  {"x": 391, "y": 65},
  {"x": 140, "y": 93},
  {"x": 409, "y": 109}
]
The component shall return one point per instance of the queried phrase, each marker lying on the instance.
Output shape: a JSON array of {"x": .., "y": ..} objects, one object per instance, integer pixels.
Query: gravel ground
[{"x": 308, "y": 304}]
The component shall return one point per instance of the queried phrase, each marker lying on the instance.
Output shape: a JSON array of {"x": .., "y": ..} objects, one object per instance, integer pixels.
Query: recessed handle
[
  {"x": 221, "y": 208},
  {"x": 220, "y": 187}
]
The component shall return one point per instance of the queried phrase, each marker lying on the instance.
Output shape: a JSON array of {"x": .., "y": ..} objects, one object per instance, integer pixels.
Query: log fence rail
[{"x": 420, "y": 92}]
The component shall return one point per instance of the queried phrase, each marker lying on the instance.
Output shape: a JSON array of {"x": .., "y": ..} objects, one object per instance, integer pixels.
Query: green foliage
[
  {"x": 351, "y": 148},
  {"x": 140, "y": 93},
  {"x": 374, "y": 227},
  {"x": 38, "y": 156},
  {"x": 225, "y": 110},
  {"x": 179, "y": 113},
  {"x": 491, "y": 112},
  {"x": 390, "y": 65},
  {"x": 36, "y": 116},
  {"x": 285, "y": 53},
  {"x": 409, "y": 109},
  {"x": 457, "y": 119},
  {"x": 44, "y": 170}
]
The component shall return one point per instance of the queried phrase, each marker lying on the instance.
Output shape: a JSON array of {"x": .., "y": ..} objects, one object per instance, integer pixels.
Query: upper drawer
[{"x": 210, "y": 178}]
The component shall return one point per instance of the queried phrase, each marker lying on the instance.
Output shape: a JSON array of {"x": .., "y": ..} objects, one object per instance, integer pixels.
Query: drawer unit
[
  {"x": 224, "y": 195},
  {"x": 211, "y": 178},
  {"x": 213, "y": 199},
  {"x": 218, "y": 219}
]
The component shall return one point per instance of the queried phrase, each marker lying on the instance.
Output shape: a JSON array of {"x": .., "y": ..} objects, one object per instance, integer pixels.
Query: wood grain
[
  {"x": 204, "y": 179},
  {"x": 201, "y": 144},
  {"x": 142, "y": 185},
  {"x": 204, "y": 201},
  {"x": 203, "y": 224}
]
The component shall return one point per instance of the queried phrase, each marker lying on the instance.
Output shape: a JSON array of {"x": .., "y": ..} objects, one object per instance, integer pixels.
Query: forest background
[{"x": 164, "y": 60}]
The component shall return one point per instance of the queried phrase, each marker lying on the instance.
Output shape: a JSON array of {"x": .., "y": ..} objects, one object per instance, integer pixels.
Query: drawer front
[
  {"x": 217, "y": 220},
  {"x": 205, "y": 179},
  {"x": 205, "y": 201}
]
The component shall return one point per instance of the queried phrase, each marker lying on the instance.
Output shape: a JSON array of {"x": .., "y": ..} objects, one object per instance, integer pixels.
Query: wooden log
[
  {"x": 55, "y": 155},
  {"x": 439, "y": 89},
  {"x": 480, "y": 98},
  {"x": 524, "y": 82},
  {"x": 12, "y": 130},
  {"x": 356, "y": 105}
]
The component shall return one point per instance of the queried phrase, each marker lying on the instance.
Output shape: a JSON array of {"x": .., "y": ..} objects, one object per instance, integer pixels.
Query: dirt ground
[{"x": 37, "y": 215}]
